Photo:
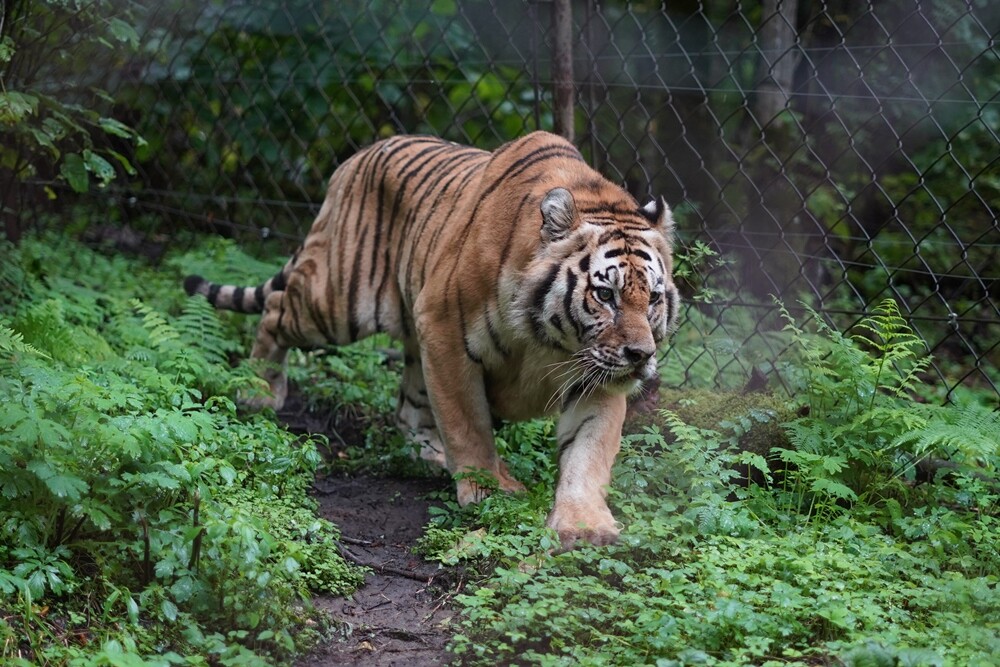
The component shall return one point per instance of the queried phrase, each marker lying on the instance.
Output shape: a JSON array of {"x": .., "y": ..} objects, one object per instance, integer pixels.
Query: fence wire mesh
[{"x": 831, "y": 153}]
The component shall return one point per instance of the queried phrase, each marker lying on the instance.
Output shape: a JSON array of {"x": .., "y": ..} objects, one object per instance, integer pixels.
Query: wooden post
[{"x": 562, "y": 68}]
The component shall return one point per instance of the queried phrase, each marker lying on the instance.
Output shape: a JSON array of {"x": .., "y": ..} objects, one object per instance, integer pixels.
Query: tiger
[{"x": 519, "y": 282}]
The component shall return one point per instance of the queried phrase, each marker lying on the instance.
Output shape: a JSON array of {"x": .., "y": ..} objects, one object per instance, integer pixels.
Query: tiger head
[{"x": 600, "y": 287}]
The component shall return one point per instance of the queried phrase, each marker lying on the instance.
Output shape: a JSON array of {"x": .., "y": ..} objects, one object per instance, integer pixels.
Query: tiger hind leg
[
  {"x": 275, "y": 336},
  {"x": 414, "y": 415}
]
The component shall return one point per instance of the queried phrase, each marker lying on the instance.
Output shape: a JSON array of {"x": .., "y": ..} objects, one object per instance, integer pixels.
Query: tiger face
[{"x": 602, "y": 290}]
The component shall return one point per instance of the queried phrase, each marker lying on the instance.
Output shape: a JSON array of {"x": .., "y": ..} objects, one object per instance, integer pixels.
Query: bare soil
[{"x": 402, "y": 614}]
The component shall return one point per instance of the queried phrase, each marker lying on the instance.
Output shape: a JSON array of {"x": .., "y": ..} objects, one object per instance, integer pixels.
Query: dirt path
[{"x": 401, "y": 615}]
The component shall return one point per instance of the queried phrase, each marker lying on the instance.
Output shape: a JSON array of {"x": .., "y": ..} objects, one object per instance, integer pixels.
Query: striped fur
[{"x": 520, "y": 283}]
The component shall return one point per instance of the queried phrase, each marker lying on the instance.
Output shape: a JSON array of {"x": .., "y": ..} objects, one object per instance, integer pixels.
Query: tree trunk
[{"x": 778, "y": 37}]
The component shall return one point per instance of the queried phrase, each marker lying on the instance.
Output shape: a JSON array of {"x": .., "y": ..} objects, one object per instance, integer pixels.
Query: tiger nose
[{"x": 637, "y": 356}]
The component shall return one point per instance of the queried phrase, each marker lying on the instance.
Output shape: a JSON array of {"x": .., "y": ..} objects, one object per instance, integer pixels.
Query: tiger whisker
[
  {"x": 556, "y": 366},
  {"x": 581, "y": 360},
  {"x": 567, "y": 384}
]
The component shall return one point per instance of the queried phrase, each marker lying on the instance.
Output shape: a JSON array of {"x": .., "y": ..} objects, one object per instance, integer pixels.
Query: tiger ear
[
  {"x": 658, "y": 214},
  {"x": 558, "y": 214}
]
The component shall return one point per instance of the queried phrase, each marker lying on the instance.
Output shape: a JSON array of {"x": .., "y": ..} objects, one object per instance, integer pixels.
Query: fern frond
[
  {"x": 43, "y": 325},
  {"x": 12, "y": 276},
  {"x": 967, "y": 434},
  {"x": 12, "y": 342},
  {"x": 889, "y": 333},
  {"x": 161, "y": 333},
  {"x": 199, "y": 325}
]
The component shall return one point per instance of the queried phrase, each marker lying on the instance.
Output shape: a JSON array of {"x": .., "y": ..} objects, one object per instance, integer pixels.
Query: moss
[{"x": 760, "y": 415}]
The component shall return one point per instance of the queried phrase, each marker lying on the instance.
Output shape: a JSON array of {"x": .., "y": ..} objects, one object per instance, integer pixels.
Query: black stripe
[
  {"x": 258, "y": 297},
  {"x": 494, "y": 335},
  {"x": 415, "y": 402},
  {"x": 375, "y": 169},
  {"x": 431, "y": 156},
  {"x": 460, "y": 179},
  {"x": 619, "y": 234},
  {"x": 542, "y": 336},
  {"x": 213, "y": 292},
  {"x": 568, "y": 440},
  {"x": 406, "y": 171},
  {"x": 571, "y": 281},
  {"x": 238, "y": 298},
  {"x": 472, "y": 355},
  {"x": 615, "y": 252},
  {"x": 544, "y": 287},
  {"x": 613, "y": 209},
  {"x": 516, "y": 169},
  {"x": 359, "y": 164},
  {"x": 505, "y": 252},
  {"x": 408, "y": 242}
]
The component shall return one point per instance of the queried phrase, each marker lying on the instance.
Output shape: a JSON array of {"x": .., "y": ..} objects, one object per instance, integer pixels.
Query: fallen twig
[{"x": 384, "y": 569}]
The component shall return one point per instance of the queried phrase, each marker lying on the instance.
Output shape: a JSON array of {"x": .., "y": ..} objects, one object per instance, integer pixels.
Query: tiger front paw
[
  {"x": 260, "y": 400},
  {"x": 469, "y": 491},
  {"x": 580, "y": 522},
  {"x": 258, "y": 403}
]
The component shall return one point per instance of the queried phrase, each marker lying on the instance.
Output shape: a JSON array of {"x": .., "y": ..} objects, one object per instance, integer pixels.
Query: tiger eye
[{"x": 605, "y": 294}]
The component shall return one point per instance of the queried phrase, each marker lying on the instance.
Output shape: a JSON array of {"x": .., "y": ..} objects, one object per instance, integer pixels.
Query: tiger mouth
[{"x": 619, "y": 374}]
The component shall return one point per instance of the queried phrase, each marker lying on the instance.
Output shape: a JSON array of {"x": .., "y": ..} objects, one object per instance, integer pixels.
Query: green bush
[
  {"x": 132, "y": 490},
  {"x": 56, "y": 123}
]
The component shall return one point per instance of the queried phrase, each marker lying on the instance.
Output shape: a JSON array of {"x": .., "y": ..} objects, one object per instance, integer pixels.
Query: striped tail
[{"x": 241, "y": 299}]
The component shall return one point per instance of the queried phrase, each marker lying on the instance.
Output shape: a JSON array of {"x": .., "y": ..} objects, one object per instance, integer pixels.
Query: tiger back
[{"x": 520, "y": 283}]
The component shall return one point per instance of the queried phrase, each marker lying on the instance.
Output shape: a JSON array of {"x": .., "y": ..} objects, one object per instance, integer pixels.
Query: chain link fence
[{"x": 830, "y": 154}]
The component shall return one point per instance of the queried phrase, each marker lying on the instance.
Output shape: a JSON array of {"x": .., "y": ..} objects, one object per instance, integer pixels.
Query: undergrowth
[
  {"x": 143, "y": 521},
  {"x": 866, "y": 534}
]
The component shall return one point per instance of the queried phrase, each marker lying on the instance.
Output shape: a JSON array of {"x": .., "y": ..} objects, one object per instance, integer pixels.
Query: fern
[
  {"x": 897, "y": 347},
  {"x": 968, "y": 434},
  {"x": 43, "y": 326},
  {"x": 13, "y": 282},
  {"x": 860, "y": 412},
  {"x": 162, "y": 335},
  {"x": 843, "y": 378},
  {"x": 13, "y": 343},
  {"x": 199, "y": 325}
]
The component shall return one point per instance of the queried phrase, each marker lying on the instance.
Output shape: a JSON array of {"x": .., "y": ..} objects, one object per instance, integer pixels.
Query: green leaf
[
  {"x": 44, "y": 139},
  {"x": 169, "y": 610},
  {"x": 7, "y": 50},
  {"x": 116, "y": 127},
  {"x": 98, "y": 166},
  {"x": 123, "y": 161},
  {"x": 15, "y": 106},
  {"x": 74, "y": 171},
  {"x": 133, "y": 609},
  {"x": 123, "y": 32},
  {"x": 61, "y": 485},
  {"x": 227, "y": 473},
  {"x": 444, "y": 7}
]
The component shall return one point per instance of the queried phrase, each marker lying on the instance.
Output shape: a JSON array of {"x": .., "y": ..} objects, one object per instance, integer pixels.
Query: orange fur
[{"x": 520, "y": 282}]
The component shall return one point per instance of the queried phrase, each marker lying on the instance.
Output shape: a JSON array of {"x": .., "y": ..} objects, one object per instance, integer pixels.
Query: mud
[{"x": 402, "y": 614}]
